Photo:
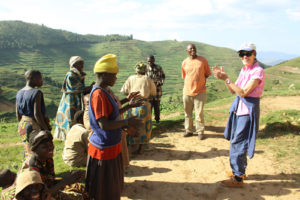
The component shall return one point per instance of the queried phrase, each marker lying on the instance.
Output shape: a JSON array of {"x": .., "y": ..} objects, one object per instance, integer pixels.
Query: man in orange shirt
[{"x": 195, "y": 71}]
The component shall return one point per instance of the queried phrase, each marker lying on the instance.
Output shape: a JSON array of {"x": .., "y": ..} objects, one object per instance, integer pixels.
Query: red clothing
[
  {"x": 105, "y": 154},
  {"x": 102, "y": 107}
]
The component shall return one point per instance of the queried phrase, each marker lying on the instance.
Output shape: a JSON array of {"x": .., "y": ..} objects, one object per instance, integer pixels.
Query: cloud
[{"x": 293, "y": 14}]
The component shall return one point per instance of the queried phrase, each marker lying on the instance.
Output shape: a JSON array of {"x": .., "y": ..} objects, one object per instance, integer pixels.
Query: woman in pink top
[{"x": 242, "y": 124}]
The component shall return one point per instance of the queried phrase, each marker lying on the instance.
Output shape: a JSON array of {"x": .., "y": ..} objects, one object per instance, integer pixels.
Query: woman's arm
[
  {"x": 38, "y": 115},
  {"x": 243, "y": 92},
  {"x": 108, "y": 125},
  {"x": 75, "y": 176},
  {"x": 232, "y": 87}
]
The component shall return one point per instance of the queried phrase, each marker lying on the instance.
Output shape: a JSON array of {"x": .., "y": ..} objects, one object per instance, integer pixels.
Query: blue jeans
[{"x": 239, "y": 145}]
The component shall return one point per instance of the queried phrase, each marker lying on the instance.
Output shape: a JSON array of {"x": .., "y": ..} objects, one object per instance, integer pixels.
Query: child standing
[{"x": 30, "y": 108}]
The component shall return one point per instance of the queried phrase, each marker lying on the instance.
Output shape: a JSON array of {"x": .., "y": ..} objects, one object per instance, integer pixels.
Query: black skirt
[{"x": 104, "y": 178}]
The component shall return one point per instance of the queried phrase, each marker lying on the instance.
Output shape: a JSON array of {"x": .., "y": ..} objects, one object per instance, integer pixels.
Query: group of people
[{"x": 96, "y": 133}]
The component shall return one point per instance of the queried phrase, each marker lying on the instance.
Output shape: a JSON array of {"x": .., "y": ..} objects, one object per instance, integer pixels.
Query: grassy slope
[
  {"x": 52, "y": 61},
  {"x": 284, "y": 79}
]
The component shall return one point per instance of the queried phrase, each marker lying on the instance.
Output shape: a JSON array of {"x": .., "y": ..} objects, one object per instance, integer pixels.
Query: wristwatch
[{"x": 228, "y": 81}]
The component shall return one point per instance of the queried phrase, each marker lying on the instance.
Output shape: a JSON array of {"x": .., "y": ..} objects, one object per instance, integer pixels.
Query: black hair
[
  {"x": 32, "y": 73},
  {"x": 78, "y": 117},
  {"x": 191, "y": 44},
  {"x": 34, "y": 143},
  {"x": 151, "y": 56}
]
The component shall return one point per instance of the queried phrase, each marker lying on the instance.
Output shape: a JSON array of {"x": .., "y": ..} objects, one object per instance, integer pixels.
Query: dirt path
[{"x": 173, "y": 167}]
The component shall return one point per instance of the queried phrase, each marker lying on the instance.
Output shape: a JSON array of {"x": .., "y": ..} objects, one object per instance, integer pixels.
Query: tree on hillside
[{"x": 18, "y": 34}]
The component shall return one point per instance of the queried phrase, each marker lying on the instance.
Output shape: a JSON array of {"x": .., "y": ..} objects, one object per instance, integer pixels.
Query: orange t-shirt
[
  {"x": 102, "y": 107},
  {"x": 194, "y": 72}
]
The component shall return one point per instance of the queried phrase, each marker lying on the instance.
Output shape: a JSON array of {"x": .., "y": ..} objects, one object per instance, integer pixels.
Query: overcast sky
[{"x": 273, "y": 25}]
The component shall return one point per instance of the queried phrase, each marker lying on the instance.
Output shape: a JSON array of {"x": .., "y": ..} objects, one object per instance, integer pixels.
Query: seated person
[
  {"x": 42, "y": 146},
  {"x": 76, "y": 144},
  {"x": 29, "y": 186}
]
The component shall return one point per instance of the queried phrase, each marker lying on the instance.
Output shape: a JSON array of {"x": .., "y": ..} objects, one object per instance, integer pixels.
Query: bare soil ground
[{"x": 173, "y": 167}]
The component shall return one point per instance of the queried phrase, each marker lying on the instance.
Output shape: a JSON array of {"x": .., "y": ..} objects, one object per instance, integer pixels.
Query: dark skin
[
  {"x": 44, "y": 152},
  {"x": 151, "y": 61},
  {"x": 7, "y": 178},
  {"x": 41, "y": 120},
  {"x": 192, "y": 51},
  {"x": 79, "y": 66},
  {"x": 134, "y": 99},
  {"x": 104, "y": 81},
  {"x": 34, "y": 192}
]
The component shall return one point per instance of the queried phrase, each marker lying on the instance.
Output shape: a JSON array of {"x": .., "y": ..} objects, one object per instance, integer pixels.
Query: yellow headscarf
[{"x": 107, "y": 63}]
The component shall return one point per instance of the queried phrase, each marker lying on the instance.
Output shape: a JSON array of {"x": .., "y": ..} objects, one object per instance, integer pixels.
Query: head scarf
[
  {"x": 26, "y": 178},
  {"x": 39, "y": 137},
  {"x": 140, "y": 68},
  {"x": 73, "y": 60},
  {"x": 107, "y": 63}
]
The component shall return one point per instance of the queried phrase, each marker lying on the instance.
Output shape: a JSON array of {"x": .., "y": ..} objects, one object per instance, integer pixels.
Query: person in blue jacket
[{"x": 243, "y": 122}]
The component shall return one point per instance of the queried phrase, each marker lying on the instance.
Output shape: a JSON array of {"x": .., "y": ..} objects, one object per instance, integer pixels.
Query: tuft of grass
[{"x": 281, "y": 122}]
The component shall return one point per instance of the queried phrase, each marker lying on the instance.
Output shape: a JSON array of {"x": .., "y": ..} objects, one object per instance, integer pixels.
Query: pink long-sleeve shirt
[{"x": 247, "y": 74}]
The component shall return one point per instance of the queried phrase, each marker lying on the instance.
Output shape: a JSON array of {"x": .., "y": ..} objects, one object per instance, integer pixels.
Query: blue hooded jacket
[{"x": 252, "y": 104}]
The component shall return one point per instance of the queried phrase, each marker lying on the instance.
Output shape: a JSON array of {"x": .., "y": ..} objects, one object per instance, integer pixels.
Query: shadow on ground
[
  {"x": 260, "y": 187},
  {"x": 165, "y": 152},
  {"x": 135, "y": 171}
]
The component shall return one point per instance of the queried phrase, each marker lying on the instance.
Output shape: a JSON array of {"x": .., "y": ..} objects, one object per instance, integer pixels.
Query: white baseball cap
[{"x": 247, "y": 47}]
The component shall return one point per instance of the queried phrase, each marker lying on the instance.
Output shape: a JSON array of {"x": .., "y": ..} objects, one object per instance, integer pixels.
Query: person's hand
[
  {"x": 134, "y": 122},
  {"x": 74, "y": 176},
  {"x": 136, "y": 102},
  {"x": 93, "y": 83},
  {"x": 219, "y": 73},
  {"x": 133, "y": 95}
]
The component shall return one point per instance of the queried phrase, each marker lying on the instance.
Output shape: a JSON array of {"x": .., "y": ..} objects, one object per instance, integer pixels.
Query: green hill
[
  {"x": 49, "y": 50},
  {"x": 18, "y": 34},
  {"x": 284, "y": 79}
]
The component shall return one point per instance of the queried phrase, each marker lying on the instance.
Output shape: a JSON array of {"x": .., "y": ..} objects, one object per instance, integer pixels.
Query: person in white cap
[
  {"x": 72, "y": 99},
  {"x": 243, "y": 121}
]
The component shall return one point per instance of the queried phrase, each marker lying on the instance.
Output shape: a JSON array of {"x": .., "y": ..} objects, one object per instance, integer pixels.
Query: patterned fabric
[
  {"x": 143, "y": 112},
  {"x": 25, "y": 127},
  {"x": 157, "y": 74},
  {"x": 71, "y": 101},
  {"x": 9, "y": 193},
  {"x": 46, "y": 170},
  {"x": 140, "y": 67},
  {"x": 146, "y": 87}
]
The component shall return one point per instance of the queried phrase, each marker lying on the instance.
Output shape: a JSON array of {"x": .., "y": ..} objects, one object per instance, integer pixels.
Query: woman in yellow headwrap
[
  {"x": 105, "y": 172},
  {"x": 146, "y": 87}
]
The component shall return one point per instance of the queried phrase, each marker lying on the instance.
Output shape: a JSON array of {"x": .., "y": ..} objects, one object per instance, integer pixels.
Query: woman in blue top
[{"x": 30, "y": 108}]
